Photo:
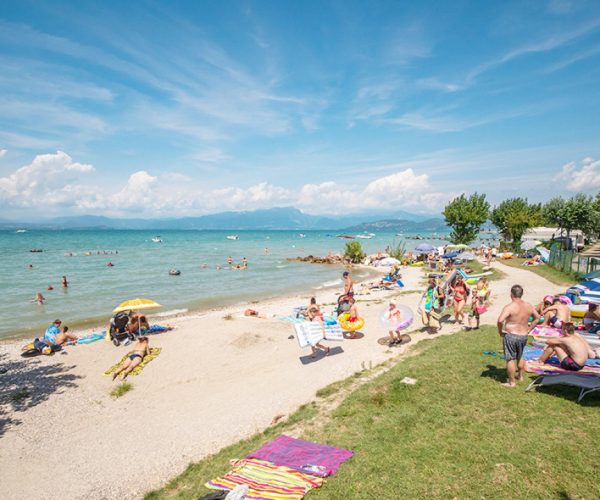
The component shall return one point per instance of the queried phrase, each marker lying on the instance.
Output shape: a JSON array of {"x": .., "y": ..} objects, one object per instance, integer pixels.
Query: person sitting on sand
[
  {"x": 591, "y": 318},
  {"x": 137, "y": 323},
  {"x": 142, "y": 349},
  {"x": 557, "y": 314},
  {"x": 312, "y": 313},
  {"x": 55, "y": 336},
  {"x": 571, "y": 350}
]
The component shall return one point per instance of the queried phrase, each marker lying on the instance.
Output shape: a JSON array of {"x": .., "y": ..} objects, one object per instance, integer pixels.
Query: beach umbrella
[
  {"x": 136, "y": 305},
  {"x": 466, "y": 256},
  {"x": 424, "y": 248},
  {"x": 450, "y": 255},
  {"x": 530, "y": 244},
  {"x": 388, "y": 261},
  {"x": 459, "y": 246}
]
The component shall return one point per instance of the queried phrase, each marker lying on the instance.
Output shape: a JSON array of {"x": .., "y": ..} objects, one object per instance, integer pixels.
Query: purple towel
[{"x": 304, "y": 456}]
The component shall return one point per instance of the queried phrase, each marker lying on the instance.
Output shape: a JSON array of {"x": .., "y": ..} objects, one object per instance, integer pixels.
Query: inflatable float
[
  {"x": 37, "y": 347},
  {"x": 350, "y": 326},
  {"x": 406, "y": 319}
]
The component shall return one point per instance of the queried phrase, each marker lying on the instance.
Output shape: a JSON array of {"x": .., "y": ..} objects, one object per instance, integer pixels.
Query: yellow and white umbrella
[{"x": 136, "y": 305}]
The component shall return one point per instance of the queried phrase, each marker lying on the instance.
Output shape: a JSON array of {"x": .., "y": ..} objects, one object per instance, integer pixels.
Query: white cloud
[
  {"x": 54, "y": 183},
  {"x": 585, "y": 177},
  {"x": 2, "y": 152},
  {"x": 210, "y": 155},
  {"x": 50, "y": 179}
]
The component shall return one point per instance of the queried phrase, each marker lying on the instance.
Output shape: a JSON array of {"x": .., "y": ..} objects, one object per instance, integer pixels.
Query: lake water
[{"x": 141, "y": 270}]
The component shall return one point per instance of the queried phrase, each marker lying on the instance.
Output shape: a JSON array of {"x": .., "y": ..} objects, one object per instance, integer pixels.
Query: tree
[
  {"x": 515, "y": 216},
  {"x": 466, "y": 216},
  {"x": 553, "y": 212},
  {"x": 354, "y": 252},
  {"x": 579, "y": 212}
]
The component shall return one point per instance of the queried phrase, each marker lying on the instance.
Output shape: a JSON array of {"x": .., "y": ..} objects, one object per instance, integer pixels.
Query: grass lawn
[
  {"x": 554, "y": 275},
  {"x": 455, "y": 434}
]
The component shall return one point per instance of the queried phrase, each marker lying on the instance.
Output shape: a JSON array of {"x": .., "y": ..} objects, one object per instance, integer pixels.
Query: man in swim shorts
[
  {"x": 572, "y": 350},
  {"x": 142, "y": 349},
  {"x": 348, "y": 284},
  {"x": 513, "y": 327}
]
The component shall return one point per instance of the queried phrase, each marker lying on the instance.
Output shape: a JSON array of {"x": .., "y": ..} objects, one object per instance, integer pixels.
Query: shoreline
[{"x": 97, "y": 324}]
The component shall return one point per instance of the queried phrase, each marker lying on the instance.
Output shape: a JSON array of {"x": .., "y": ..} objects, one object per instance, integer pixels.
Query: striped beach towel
[
  {"x": 535, "y": 367},
  {"x": 266, "y": 480}
]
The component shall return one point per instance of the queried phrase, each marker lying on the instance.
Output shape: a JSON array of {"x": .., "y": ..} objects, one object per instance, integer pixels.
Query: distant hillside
[
  {"x": 274, "y": 218},
  {"x": 401, "y": 225}
]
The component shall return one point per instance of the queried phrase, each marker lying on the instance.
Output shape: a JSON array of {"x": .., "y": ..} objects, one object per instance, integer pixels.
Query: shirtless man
[
  {"x": 513, "y": 327},
  {"x": 557, "y": 314},
  {"x": 348, "y": 284},
  {"x": 571, "y": 350},
  {"x": 142, "y": 349}
]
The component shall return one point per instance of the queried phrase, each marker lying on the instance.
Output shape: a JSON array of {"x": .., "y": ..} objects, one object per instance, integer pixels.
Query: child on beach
[
  {"x": 142, "y": 349},
  {"x": 478, "y": 307},
  {"x": 394, "y": 316},
  {"x": 313, "y": 312}
]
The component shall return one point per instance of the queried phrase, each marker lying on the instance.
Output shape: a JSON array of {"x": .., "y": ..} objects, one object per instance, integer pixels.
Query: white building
[{"x": 550, "y": 233}]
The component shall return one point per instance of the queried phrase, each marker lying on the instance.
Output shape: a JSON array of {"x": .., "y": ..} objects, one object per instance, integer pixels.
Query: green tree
[
  {"x": 579, "y": 212},
  {"x": 354, "y": 252},
  {"x": 466, "y": 216},
  {"x": 515, "y": 216},
  {"x": 553, "y": 212}
]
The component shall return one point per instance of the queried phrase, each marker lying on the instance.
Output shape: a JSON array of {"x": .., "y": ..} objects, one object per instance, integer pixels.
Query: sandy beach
[{"x": 216, "y": 381}]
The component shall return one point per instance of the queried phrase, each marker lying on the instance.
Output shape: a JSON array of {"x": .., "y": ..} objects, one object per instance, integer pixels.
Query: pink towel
[{"x": 311, "y": 458}]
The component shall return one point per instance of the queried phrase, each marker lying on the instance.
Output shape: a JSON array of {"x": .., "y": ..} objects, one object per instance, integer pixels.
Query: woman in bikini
[
  {"x": 142, "y": 349},
  {"x": 460, "y": 296}
]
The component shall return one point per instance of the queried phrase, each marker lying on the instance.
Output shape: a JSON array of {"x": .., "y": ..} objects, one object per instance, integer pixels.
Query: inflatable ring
[
  {"x": 405, "y": 321},
  {"x": 351, "y": 326}
]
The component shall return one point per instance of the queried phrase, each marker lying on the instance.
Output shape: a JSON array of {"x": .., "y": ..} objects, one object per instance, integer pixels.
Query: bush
[
  {"x": 354, "y": 252},
  {"x": 397, "y": 250}
]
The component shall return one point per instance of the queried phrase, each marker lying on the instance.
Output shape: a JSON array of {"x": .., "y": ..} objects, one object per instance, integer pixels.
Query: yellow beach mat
[{"x": 154, "y": 352}]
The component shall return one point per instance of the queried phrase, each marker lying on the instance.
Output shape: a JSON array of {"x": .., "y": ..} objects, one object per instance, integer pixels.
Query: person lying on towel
[
  {"x": 572, "y": 350},
  {"x": 142, "y": 349}
]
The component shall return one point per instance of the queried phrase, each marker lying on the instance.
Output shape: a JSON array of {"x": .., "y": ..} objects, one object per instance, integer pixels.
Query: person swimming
[
  {"x": 39, "y": 299},
  {"x": 142, "y": 349},
  {"x": 64, "y": 282}
]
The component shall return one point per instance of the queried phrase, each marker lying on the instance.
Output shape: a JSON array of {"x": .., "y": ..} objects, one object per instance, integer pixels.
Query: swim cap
[{"x": 549, "y": 298}]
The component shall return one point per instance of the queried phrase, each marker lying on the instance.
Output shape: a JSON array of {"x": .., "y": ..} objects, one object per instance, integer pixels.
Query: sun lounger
[
  {"x": 587, "y": 384},
  {"x": 311, "y": 332}
]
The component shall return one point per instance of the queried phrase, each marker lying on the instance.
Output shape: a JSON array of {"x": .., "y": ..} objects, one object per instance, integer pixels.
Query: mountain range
[{"x": 285, "y": 218}]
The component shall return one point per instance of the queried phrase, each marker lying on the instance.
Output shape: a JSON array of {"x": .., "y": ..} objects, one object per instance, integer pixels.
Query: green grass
[
  {"x": 121, "y": 390},
  {"x": 457, "y": 433},
  {"x": 545, "y": 271}
]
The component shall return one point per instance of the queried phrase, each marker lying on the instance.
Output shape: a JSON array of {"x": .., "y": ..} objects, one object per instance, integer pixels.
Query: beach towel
[
  {"x": 266, "y": 480},
  {"x": 535, "y": 367},
  {"x": 154, "y": 352},
  {"x": 546, "y": 331},
  {"x": 533, "y": 353},
  {"x": 311, "y": 332},
  {"x": 157, "y": 329},
  {"x": 92, "y": 337},
  {"x": 311, "y": 458}
]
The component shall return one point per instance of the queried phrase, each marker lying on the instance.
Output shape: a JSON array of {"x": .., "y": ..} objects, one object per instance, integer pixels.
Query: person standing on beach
[
  {"x": 513, "y": 327},
  {"x": 348, "y": 284}
]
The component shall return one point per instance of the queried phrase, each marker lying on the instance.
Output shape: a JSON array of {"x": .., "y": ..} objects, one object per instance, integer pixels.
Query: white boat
[
  {"x": 365, "y": 236},
  {"x": 157, "y": 239},
  {"x": 302, "y": 235},
  {"x": 233, "y": 237},
  {"x": 21, "y": 230}
]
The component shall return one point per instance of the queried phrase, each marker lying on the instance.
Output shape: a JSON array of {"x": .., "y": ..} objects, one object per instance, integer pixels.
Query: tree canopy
[
  {"x": 515, "y": 216},
  {"x": 466, "y": 216},
  {"x": 579, "y": 212}
]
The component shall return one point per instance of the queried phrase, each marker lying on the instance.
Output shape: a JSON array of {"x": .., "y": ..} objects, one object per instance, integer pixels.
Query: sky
[{"x": 177, "y": 108}]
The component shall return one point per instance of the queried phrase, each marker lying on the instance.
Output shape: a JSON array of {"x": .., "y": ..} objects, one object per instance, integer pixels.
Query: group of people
[
  {"x": 519, "y": 318},
  {"x": 39, "y": 297}
]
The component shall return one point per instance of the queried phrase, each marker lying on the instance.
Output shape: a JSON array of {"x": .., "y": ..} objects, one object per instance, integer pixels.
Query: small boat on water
[
  {"x": 157, "y": 239},
  {"x": 21, "y": 231},
  {"x": 174, "y": 272},
  {"x": 365, "y": 236},
  {"x": 346, "y": 236},
  {"x": 302, "y": 235},
  {"x": 233, "y": 237}
]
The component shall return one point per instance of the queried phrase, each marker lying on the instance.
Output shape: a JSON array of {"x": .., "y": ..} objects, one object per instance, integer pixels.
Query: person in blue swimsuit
[{"x": 142, "y": 349}]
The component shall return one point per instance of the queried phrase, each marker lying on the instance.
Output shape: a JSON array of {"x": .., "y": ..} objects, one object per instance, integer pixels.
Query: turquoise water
[{"x": 141, "y": 270}]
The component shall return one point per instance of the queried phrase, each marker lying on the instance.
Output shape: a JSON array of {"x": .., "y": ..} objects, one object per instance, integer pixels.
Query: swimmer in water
[
  {"x": 50, "y": 287},
  {"x": 110, "y": 264},
  {"x": 64, "y": 282},
  {"x": 39, "y": 299}
]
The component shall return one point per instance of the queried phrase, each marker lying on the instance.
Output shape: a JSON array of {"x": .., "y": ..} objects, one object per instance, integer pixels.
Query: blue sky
[{"x": 190, "y": 107}]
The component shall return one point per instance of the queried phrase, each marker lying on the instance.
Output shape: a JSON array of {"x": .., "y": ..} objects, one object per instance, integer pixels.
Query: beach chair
[{"x": 586, "y": 383}]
